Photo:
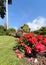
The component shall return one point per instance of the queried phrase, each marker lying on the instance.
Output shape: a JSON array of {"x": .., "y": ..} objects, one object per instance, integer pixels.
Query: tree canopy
[
  {"x": 3, "y": 7},
  {"x": 42, "y": 31},
  {"x": 25, "y": 28}
]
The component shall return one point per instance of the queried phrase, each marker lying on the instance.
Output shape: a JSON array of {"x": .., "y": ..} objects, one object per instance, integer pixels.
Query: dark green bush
[
  {"x": 42, "y": 31},
  {"x": 2, "y": 32},
  {"x": 10, "y": 31},
  {"x": 25, "y": 28},
  {"x": 19, "y": 33},
  {"x": 2, "y": 27}
]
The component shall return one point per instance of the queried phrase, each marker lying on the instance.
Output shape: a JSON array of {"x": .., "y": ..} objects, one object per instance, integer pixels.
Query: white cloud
[{"x": 37, "y": 23}]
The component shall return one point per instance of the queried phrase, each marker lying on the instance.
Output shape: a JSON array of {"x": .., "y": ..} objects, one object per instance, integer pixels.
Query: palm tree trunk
[{"x": 7, "y": 14}]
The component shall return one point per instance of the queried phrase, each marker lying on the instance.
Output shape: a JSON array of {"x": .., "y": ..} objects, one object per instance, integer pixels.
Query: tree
[
  {"x": 10, "y": 31},
  {"x": 42, "y": 31},
  {"x": 25, "y": 28},
  {"x": 3, "y": 7}
]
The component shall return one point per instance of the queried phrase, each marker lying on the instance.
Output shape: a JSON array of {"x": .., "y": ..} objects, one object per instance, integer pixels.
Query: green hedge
[
  {"x": 4, "y": 31},
  {"x": 10, "y": 31}
]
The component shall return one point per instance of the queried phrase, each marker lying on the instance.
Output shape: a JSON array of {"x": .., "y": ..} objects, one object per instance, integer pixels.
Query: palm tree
[
  {"x": 7, "y": 2},
  {"x": 4, "y": 9}
]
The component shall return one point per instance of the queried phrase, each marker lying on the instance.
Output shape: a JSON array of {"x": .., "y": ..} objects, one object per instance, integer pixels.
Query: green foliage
[
  {"x": 9, "y": 1},
  {"x": 2, "y": 27},
  {"x": 25, "y": 28},
  {"x": 10, "y": 31},
  {"x": 42, "y": 31},
  {"x": 2, "y": 30},
  {"x": 19, "y": 33},
  {"x": 3, "y": 7}
]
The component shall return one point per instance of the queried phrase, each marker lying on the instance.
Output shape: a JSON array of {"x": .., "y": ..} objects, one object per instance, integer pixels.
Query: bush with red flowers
[{"x": 31, "y": 44}]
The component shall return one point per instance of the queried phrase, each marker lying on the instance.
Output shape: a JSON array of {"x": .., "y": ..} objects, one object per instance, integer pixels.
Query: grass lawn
[{"x": 7, "y": 55}]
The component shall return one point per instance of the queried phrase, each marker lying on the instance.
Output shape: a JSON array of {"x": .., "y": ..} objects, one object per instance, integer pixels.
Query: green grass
[{"x": 7, "y": 55}]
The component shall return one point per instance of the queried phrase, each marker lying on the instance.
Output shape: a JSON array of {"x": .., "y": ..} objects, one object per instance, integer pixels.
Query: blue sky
[{"x": 26, "y": 12}]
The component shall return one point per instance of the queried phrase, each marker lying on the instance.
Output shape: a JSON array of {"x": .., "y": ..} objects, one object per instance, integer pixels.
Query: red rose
[
  {"x": 44, "y": 36},
  {"x": 26, "y": 36},
  {"x": 33, "y": 40},
  {"x": 28, "y": 50},
  {"x": 20, "y": 39},
  {"x": 40, "y": 48},
  {"x": 16, "y": 50},
  {"x": 44, "y": 41},
  {"x": 31, "y": 34},
  {"x": 20, "y": 55},
  {"x": 23, "y": 44},
  {"x": 39, "y": 37}
]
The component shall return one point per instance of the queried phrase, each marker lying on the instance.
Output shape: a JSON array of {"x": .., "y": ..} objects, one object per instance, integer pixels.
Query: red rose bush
[
  {"x": 28, "y": 50},
  {"x": 39, "y": 48},
  {"x": 30, "y": 44}
]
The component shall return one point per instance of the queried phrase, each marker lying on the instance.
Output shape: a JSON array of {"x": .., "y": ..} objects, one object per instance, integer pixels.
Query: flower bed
[{"x": 30, "y": 45}]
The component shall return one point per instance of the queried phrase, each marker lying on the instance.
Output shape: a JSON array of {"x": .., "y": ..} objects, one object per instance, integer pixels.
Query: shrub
[
  {"x": 2, "y": 30},
  {"x": 42, "y": 31},
  {"x": 25, "y": 28},
  {"x": 19, "y": 33},
  {"x": 10, "y": 31},
  {"x": 2, "y": 27},
  {"x": 31, "y": 45}
]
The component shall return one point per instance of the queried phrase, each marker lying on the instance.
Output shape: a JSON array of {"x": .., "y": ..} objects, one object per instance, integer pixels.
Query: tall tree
[
  {"x": 3, "y": 7},
  {"x": 25, "y": 28},
  {"x": 42, "y": 30}
]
